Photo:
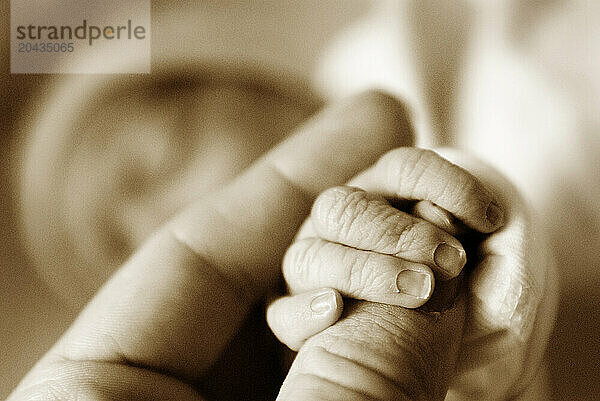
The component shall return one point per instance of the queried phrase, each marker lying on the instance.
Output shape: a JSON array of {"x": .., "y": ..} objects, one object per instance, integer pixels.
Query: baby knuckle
[
  {"x": 407, "y": 237},
  {"x": 337, "y": 208},
  {"x": 396, "y": 156},
  {"x": 300, "y": 257},
  {"x": 424, "y": 170},
  {"x": 328, "y": 204},
  {"x": 387, "y": 221},
  {"x": 359, "y": 272},
  {"x": 465, "y": 183},
  {"x": 421, "y": 160}
]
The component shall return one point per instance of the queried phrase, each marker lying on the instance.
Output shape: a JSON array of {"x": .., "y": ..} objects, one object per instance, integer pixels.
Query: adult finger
[
  {"x": 378, "y": 352},
  {"x": 314, "y": 263},
  {"x": 177, "y": 302},
  {"x": 367, "y": 221},
  {"x": 295, "y": 318},
  {"x": 421, "y": 174}
]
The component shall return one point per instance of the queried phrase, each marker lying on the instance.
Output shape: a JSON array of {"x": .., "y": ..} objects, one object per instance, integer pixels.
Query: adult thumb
[{"x": 379, "y": 352}]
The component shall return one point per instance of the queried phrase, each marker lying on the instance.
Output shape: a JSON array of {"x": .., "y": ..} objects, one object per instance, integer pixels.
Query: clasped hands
[{"x": 386, "y": 241}]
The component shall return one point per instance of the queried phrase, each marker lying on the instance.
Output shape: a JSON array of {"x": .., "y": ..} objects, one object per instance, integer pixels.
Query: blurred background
[{"x": 91, "y": 164}]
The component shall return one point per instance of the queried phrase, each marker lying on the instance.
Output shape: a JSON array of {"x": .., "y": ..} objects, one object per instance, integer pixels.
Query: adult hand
[{"x": 158, "y": 327}]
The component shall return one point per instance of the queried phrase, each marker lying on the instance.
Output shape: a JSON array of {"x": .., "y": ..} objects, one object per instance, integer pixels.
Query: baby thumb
[{"x": 379, "y": 352}]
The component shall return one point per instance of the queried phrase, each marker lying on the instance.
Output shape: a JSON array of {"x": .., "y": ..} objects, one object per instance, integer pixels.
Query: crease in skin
[
  {"x": 326, "y": 360},
  {"x": 507, "y": 287},
  {"x": 341, "y": 212},
  {"x": 316, "y": 391},
  {"x": 368, "y": 355},
  {"x": 235, "y": 283},
  {"x": 502, "y": 343},
  {"x": 47, "y": 390},
  {"x": 95, "y": 380},
  {"x": 484, "y": 347},
  {"x": 506, "y": 299}
]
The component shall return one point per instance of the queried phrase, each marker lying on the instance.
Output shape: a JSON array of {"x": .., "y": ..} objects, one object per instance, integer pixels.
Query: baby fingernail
[
  {"x": 440, "y": 217},
  {"x": 449, "y": 258},
  {"x": 435, "y": 214},
  {"x": 414, "y": 283},
  {"x": 324, "y": 303},
  {"x": 494, "y": 214}
]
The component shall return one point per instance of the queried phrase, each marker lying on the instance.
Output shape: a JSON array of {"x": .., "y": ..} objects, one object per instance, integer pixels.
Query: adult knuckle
[
  {"x": 386, "y": 341},
  {"x": 395, "y": 333},
  {"x": 342, "y": 342},
  {"x": 390, "y": 338}
]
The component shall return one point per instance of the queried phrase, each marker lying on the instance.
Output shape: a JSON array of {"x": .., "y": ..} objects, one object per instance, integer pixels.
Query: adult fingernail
[
  {"x": 494, "y": 214},
  {"x": 324, "y": 303},
  {"x": 449, "y": 258},
  {"x": 414, "y": 283}
]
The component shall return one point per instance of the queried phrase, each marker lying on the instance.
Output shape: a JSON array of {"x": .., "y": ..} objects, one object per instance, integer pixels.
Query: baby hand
[
  {"x": 356, "y": 244},
  {"x": 510, "y": 291}
]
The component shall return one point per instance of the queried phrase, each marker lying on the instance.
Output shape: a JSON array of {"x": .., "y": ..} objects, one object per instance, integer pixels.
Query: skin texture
[
  {"x": 293, "y": 318},
  {"x": 363, "y": 220},
  {"x": 378, "y": 352}
]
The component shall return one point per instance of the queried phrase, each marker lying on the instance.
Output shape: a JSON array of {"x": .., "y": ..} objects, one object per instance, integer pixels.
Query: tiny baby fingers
[
  {"x": 421, "y": 174},
  {"x": 315, "y": 263},
  {"x": 439, "y": 217},
  {"x": 363, "y": 220},
  {"x": 295, "y": 318}
]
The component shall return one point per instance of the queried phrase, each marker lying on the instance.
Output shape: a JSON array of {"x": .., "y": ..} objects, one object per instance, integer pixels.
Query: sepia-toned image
[{"x": 308, "y": 200}]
